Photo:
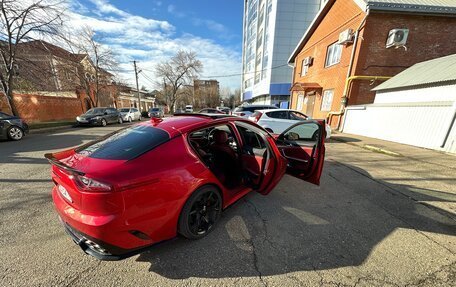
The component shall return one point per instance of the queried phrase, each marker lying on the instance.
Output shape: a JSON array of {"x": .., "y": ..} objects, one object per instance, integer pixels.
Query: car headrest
[{"x": 220, "y": 137}]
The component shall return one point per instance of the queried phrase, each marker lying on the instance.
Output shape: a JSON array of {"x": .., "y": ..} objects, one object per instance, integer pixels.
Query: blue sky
[{"x": 152, "y": 31}]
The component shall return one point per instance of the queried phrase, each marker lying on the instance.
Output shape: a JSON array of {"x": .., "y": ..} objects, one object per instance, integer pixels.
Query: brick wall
[
  {"x": 343, "y": 15},
  {"x": 430, "y": 37}
]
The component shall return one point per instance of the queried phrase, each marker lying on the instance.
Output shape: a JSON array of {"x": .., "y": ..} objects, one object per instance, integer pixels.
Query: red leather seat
[{"x": 226, "y": 164}]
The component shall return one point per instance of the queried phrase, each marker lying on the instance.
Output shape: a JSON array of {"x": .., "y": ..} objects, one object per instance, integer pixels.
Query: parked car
[
  {"x": 225, "y": 110},
  {"x": 12, "y": 127},
  {"x": 189, "y": 109},
  {"x": 100, "y": 117},
  {"x": 210, "y": 111},
  {"x": 246, "y": 111},
  {"x": 114, "y": 203},
  {"x": 130, "y": 114},
  {"x": 278, "y": 120},
  {"x": 156, "y": 112},
  {"x": 179, "y": 111}
]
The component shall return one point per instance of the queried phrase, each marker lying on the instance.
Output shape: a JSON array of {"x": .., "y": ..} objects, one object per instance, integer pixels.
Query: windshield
[
  {"x": 95, "y": 111},
  {"x": 124, "y": 110},
  {"x": 126, "y": 144},
  {"x": 154, "y": 110}
]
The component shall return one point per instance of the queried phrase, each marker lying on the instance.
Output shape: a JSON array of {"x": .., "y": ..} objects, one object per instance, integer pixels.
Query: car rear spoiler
[{"x": 53, "y": 160}]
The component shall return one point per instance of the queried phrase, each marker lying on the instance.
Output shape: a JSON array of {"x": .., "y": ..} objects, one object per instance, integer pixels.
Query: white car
[
  {"x": 278, "y": 120},
  {"x": 248, "y": 110},
  {"x": 130, "y": 114},
  {"x": 189, "y": 109}
]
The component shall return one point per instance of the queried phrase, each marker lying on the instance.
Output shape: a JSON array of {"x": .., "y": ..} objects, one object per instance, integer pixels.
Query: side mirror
[{"x": 105, "y": 113}]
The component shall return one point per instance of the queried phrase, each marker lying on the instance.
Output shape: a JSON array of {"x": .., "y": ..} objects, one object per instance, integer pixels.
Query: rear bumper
[
  {"x": 92, "y": 246},
  {"x": 104, "y": 237}
]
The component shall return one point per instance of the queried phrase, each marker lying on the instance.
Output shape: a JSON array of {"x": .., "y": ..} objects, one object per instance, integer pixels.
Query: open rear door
[
  {"x": 261, "y": 159},
  {"x": 303, "y": 146}
]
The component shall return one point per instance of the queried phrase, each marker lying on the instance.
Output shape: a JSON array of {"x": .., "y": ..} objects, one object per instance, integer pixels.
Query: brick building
[
  {"x": 54, "y": 84},
  {"x": 206, "y": 93},
  {"x": 344, "y": 53}
]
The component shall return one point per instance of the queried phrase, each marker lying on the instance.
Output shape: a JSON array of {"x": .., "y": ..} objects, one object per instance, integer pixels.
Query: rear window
[{"x": 126, "y": 144}]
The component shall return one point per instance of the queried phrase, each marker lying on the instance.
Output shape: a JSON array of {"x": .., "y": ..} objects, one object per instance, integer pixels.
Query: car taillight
[
  {"x": 89, "y": 184},
  {"x": 257, "y": 116}
]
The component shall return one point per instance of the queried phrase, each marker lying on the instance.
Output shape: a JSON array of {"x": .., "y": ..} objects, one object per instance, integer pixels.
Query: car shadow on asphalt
[
  {"x": 301, "y": 227},
  {"x": 12, "y": 152}
]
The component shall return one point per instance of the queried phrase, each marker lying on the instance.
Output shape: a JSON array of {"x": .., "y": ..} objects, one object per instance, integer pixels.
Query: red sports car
[{"x": 149, "y": 182}]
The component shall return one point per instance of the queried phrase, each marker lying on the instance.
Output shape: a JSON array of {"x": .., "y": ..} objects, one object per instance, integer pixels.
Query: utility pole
[{"x": 137, "y": 85}]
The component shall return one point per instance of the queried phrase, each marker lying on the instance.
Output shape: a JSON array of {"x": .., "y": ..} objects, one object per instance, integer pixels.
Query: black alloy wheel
[{"x": 200, "y": 213}]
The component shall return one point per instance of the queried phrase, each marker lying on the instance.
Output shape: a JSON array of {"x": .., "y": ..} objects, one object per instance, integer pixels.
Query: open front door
[{"x": 303, "y": 146}]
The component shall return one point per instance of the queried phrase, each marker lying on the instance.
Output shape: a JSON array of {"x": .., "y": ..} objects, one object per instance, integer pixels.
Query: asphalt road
[{"x": 357, "y": 228}]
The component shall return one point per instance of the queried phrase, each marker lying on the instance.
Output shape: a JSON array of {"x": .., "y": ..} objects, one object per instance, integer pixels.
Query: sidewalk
[
  {"x": 426, "y": 176},
  {"x": 47, "y": 127},
  {"x": 420, "y": 154}
]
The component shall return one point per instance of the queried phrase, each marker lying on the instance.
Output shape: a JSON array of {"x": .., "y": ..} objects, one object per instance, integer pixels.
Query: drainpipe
[
  {"x": 350, "y": 67},
  {"x": 347, "y": 84}
]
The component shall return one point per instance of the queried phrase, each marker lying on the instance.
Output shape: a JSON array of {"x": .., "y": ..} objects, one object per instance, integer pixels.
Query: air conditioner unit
[
  {"x": 397, "y": 38},
  {"x": 308, "y": 61},
  {"x": 346, "y": 37}
]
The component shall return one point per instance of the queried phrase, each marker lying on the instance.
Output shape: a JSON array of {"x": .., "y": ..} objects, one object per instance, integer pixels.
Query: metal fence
[{"x": 423, "y": 124}]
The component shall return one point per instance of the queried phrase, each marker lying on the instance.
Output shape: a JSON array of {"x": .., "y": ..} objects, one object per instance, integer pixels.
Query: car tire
[
  {"x": 129, "y": 119},
  {"x": 140, "y": 118},
  {"x": 120, "y": 121},
  {"x": 15, "y": 133},
  {"x": 200, "y": 213},
  {"x": 104, "y": 123}
]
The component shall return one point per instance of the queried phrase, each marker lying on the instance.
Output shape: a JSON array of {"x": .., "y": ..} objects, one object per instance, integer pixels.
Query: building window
[
  {"x": 333, "y": 54},
  {"x": 327, "y": 100},
  {"x": 304, "y": 68},
  {"x": 300, "y": 103}
]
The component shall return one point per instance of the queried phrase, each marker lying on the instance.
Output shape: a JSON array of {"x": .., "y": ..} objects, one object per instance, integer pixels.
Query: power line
[
  {"x": 236, "y": 74},
  {"x": 246, "y": 73}
]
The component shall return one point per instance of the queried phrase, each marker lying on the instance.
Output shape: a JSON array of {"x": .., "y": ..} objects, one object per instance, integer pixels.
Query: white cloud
[
  {"x": 151, "y": 41},
  {"x": 173, "y": 10}
]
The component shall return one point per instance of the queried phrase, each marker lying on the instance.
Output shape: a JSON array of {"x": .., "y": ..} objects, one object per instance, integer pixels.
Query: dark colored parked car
[
  {"x": 247, "y": 111},
  {"x": 113, "y": 202},
  {"x": 210, "y": 111},
  {"x": 11, "y": 127},
  {"x": 100, "y": 117}
]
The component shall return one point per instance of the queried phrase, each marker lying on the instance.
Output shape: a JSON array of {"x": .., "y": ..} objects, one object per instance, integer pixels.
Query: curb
[
  {"x": 368, "y": 147},
  {"x": 51, "y": 129},
  {"x": 380, "y": 150}
]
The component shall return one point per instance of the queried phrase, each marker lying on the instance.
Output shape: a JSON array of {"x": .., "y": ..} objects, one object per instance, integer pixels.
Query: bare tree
[
  {"x": 180, "y": 70},
  {"x": 22, "y": 21},
  {"x": 95, "y": 75}
]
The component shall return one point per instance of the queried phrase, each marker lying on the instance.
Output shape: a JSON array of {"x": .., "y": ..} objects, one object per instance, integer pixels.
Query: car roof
[
  {"x": 182, "y": 123},
  {"x": 279, "y": 110}
]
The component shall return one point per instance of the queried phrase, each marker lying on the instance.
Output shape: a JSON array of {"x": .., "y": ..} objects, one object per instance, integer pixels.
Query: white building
[
  {"x": 272, "y": 28},
  {"x": 415, "y": 107}
]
